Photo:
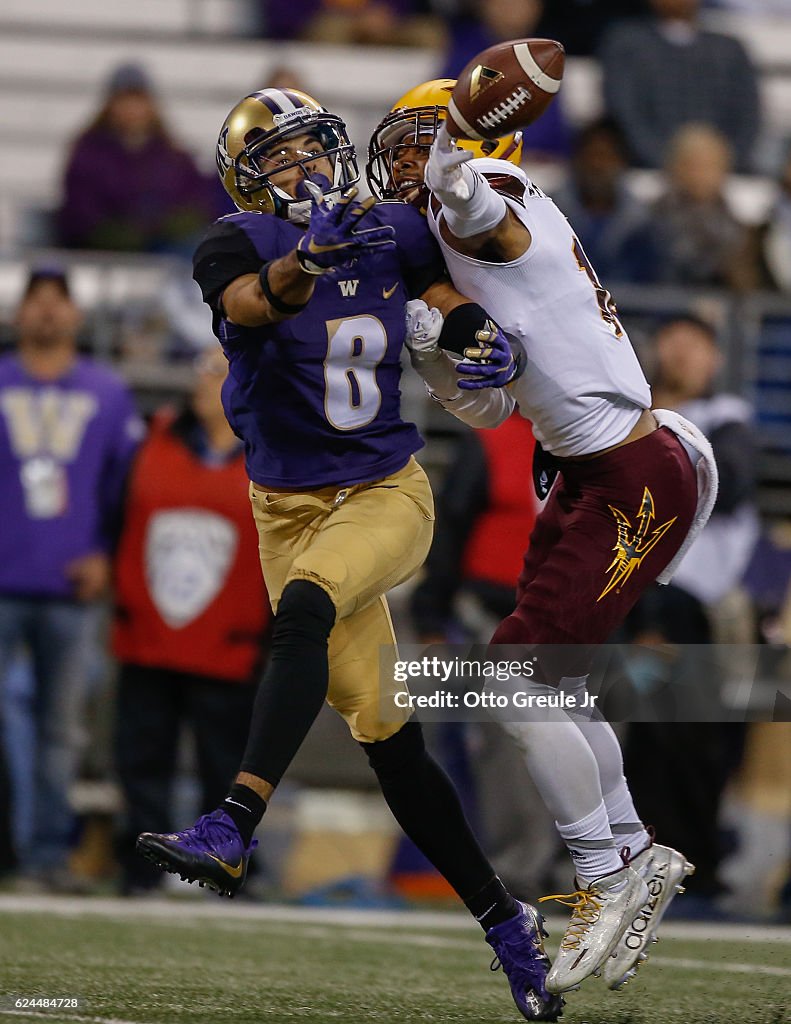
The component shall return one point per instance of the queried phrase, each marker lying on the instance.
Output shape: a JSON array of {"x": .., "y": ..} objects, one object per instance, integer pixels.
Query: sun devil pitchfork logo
[{"x": 632, "y": 546}]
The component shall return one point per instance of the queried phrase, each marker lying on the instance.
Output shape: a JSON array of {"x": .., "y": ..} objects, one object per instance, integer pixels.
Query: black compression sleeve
[{"x": 295, "y": 683}]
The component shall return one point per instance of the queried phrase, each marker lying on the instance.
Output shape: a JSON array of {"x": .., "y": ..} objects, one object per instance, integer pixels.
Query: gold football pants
[{"x": 356, "y": 543}]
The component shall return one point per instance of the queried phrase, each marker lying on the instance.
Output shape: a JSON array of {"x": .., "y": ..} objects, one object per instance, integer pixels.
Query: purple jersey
[
  {"x": 65, "y": 448},
  {"x": 316, "y": 398}
]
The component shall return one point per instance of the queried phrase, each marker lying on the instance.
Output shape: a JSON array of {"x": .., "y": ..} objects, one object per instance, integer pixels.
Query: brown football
[{"x": 505, "y": 88}]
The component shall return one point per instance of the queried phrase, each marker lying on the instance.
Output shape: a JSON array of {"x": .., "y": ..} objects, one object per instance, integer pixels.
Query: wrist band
[
  {"x": 276, "y": 303},
  {"x": 307, "y": 263}
]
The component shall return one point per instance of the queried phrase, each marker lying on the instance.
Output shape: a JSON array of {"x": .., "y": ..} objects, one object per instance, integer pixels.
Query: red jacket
[
  {"x": 189, "y": 590},
  {"x": 496, "y": 546}
]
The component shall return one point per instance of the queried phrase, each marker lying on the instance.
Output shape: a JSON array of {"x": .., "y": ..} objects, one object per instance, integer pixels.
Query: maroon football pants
[{"x": 609, "y": 527}]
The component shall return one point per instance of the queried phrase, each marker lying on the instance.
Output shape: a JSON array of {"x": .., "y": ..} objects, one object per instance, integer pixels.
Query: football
[{"x": 505, "y": 88}]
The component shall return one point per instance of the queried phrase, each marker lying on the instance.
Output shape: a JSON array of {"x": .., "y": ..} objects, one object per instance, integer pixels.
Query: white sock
[
  {"x": 625, "y": 824},
  {"x": 591, "y": 845}
]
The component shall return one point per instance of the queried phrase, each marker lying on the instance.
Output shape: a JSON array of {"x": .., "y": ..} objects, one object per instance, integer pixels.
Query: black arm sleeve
[
  {"x": 463, "y": 497},
  {"x": 225, "y": 253},
  {"x": 735, "y": 454}
]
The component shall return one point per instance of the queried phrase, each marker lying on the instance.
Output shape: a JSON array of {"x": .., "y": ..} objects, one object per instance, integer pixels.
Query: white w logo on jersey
[{"x": 348, "y": 288}]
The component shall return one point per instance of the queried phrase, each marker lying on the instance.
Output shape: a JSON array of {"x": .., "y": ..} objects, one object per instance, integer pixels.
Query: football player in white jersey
[{"x": 626, "y": 500}]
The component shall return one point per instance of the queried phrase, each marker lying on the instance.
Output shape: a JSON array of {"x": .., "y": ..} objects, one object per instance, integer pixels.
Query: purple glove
[
  {"x": 492, "y": 363},
  {"x": 333, "y": 239}
]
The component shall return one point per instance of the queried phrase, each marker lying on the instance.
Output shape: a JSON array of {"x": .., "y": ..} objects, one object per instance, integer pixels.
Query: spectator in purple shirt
[
  {"x": 68, "y": 431},
  {"x": 128, "y": 185}
]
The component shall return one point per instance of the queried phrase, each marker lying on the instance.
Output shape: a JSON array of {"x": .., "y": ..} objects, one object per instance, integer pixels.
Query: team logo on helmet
[{"x": 224, "y": 160}]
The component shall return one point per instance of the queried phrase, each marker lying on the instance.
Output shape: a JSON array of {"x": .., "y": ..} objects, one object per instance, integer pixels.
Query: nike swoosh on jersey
[
  {"x": 389, "y": 292},
  {"x": 234, "y": 872}
]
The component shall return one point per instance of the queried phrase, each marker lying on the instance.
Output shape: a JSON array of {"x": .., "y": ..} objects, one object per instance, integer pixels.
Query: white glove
[
  {"x": 445, "y": 168},
  {"x": 423, "y": 328}
]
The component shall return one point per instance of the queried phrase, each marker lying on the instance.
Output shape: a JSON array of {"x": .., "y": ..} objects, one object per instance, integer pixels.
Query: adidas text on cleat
[
  {"x": 210, "y": 853},
  {"x": 519, "y": 949},
  {"x": 663, "y": 870},
  {"x": 600, "y": 914}
]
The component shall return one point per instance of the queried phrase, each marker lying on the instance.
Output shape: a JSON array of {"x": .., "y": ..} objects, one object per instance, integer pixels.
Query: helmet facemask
[{"x": 400, "y": 132}]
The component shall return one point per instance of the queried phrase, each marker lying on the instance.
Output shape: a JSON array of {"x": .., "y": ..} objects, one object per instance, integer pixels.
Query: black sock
[
  {"x": 492, "y": 905},
  {"x": 246, "y": 808},
  {"x": 427, "y": 807}
]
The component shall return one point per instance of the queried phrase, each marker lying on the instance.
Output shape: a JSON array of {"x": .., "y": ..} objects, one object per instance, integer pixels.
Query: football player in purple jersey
[{"x": 307, "y": 286}]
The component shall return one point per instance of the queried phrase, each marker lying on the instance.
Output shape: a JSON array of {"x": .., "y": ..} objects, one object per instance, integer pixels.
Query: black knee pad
[
  {"x": 389, "y": 756},
  {"x": 304, "y": 610}
]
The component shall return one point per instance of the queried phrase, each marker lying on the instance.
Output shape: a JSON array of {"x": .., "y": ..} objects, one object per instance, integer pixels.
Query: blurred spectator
[
  {"x": 68, "y": 431},
  {"x": 752, "y": 6},
  {"x": 7, "y": 856},
  {"x": 283, "y": 76},
  {"x": 698, "y": 240},
  {"x": 664, "y": 71},
  {"x": 611, "y": 222},
  {"x": 761, "y": 799},
  {"x": 361, "y": 22},
  {"x": 699, "y": 757},
  {"x": 768, "y": 251},
  {"x": 768, "y": 582},
  {"x": 579, "y": 24},
  {"x": 191, "y": 613},
  {"x": 128, "y": 185},
  {"x": 688, "y": 362},
  {"x": 485, "y": 514},
  {"x": 492, "y": 21}
]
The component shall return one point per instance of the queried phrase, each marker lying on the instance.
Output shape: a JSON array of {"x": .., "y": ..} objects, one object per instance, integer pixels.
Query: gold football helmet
[
  {"x": 413, "y": 123},
  {"x": 256, "y": 127}
]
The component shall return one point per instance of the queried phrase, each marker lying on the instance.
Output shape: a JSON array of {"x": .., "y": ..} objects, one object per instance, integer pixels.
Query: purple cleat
[
  {"x": 519, "y": 947},
  {"x": 210, "y": 853}
]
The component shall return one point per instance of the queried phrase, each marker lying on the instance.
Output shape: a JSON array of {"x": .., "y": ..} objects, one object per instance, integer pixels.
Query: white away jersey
[{"x": 583, "y": 387}]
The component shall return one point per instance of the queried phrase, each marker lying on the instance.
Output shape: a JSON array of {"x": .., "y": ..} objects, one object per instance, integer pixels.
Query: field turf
[{"x": 213, "y": 962}]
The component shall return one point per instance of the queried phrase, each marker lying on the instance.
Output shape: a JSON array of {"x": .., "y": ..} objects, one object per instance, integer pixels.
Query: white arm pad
[
  {"x": 483, "y": 211},
  {"x": 487, "y": 407}
]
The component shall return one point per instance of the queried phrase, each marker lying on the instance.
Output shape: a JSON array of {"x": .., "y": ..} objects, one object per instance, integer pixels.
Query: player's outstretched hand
[
  {"x": 444, "y": 168},
  {"x": 334, "y": 238},
  {"x": 491, "y": 363},
  {"x": 423, "y": 327}
]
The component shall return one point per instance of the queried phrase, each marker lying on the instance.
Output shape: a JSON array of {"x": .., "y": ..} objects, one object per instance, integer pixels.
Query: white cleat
[
  {"x": 663, "y": 870},
  {"x": 598, "y": 920}
]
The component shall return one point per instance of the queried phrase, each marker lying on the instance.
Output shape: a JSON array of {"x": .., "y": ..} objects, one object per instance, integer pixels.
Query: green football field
[{"x": 217, "y": 963}]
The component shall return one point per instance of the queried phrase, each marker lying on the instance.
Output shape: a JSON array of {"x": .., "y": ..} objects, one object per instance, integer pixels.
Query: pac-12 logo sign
[{"x": 188, "y": 555}]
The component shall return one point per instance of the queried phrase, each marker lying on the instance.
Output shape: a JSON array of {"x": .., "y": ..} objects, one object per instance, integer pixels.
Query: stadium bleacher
[{"x": 54, "y": 59}]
